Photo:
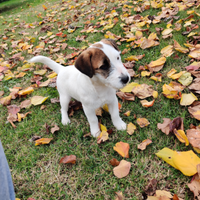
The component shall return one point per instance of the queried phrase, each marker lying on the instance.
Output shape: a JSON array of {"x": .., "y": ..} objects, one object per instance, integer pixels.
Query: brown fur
[
  {"x": 90, "y": 61},
  {"x": 110, "y": 42}
]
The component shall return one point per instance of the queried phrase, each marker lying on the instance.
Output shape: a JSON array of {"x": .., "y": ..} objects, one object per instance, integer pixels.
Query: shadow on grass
[{"x": 9, "y": 5}]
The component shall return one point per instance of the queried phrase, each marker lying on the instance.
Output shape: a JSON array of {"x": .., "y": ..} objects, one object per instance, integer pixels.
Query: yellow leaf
[
  {"x": 167, "y": 51},
  {"x": 52, "y": 75},
  {"x": 37, "y": 100},
  {"x": 180, "y": 134},
  {"x": 6, "y": 100},
  {"x": 28, "y": 90},
  {"x": 179, "y": 48},
  {"x": 167, "y": 31},
  {"x": 185, "y": 79},
  {"x": 40, "y": 72},
  {"x": 171, "y": 72},
  {"x": 131, "y": 128},
  {"x": 129, "y": 87},
  {"x": 142, "y": 122},
  {"x": 43, "y": 141},
  {"x": 155, "y": 94},
  {"x": 122, "y": 149},
  {"x": 127, "y": 114},
  {"x": 160, "y": 61},
  {"x": 103, "y": 128},
  {"x": 105, "y": 107},
  {"x": 145, "y": 73},
  {"x": 185, "y": 161},
  {"x": 131, "y": 58},
  {"x": 188, "y": 99},
  {"x": 178, "y": 75}
]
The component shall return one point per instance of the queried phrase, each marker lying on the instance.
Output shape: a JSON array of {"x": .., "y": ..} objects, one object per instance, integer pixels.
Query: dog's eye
[
  {"x": 104, "y": 67},
  {"x": 117, "y": 58}
]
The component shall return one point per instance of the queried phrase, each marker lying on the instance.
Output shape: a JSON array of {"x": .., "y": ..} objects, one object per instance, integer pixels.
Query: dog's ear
[
  {"x": 91, "y": 60},
  {"x": 110, "y": 42},
  {"x": 84, "y": 65}
]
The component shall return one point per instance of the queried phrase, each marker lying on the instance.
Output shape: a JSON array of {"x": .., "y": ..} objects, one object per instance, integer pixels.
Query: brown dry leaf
[
  {"x": 164, "y": 127},
  {"x": 122, "y": 149},
  {"x": 160, "y": 193},
  {"x": 1, "y": 93},
  {"x": 25, "y": 104},
  {"x": 157, "y": 65},
  {"x": 68, "y": 159},
  {"x": 195, "y": 85},
  {"x": 126, "y": 96},
  {"x": 114, "y": 162},
  {"x": 13, "y": 109},
  {"x": 119, "y": 196},
  {"x": 176, "y": 123},
  {"x": 131, "y": 128},
  {"x": 179, "y": 48},
  {"x": 194, "y": 186},
  {"x": 193, "y": 136},
  {"x": 142, "y": 146},
  {"x": 142, "y": 122},
  {"x": 194, "y": 110},
  {"x": 143, "y": 91},
  {"x": 54, "y": 129},
  {"x": 122, "y": 169},
  {"x": 6, "y": 100},
  {"x": 102, "y": 137},
  {"x": 43, "y": 141},
  {"x": 150, "y": 189}
]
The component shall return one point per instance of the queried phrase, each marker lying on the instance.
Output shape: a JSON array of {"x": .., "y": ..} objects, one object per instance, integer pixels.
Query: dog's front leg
[
  {"x": 114, "y": 112},
  {"x": 93, "y": 121}
]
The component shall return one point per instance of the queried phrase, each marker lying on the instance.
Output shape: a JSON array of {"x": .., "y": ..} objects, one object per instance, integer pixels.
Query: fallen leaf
[
  {"x": 185, "y": 161},
  {"x": 129, "y": 87},
  {"x": 25, "y": 104},
  {"x": 127, "y": 113},
  {"x": 143, "y": 91},
  {"x": 142, "y": 122},
  {"x": 68, "y": 159},
  {"x": 114, "y": 162},
  {"x": 142, "y": 146},
  {"x": 164, "y": 127},
  {"x": 119, "y": 196},
  {"x": 146, "y": 103},
  {"x": 188, "y": 99},
  {"x": 131, "y": 128},
  {"x": 122, "y": 169},
  {"x": 178, "y": 47},
  {"x": 194, "y": 186},
  {"x": 193, "y": 136},
  {"x": 102, "y": 137},
  {"x": 126, "y": 96},
  {"x": 43, "y": 141},
  {"x": 54, "y": 129},
  {"x": 26, "y": 91},
  {"x": 6, "y": 100},
  {"x": 37, "y": 100},
  {"x": 150, "y": 189},
  {"x": 185, "y": 79},
  {"x": 194, "y": 110},
  {"x": 180, "y": 134},
  {"x": 176, "y": 123},
  {"x": 122, "y": 149},
  {"x": 13, "y": 109}
]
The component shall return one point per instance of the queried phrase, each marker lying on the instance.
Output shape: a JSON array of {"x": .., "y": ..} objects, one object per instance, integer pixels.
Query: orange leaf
[
  {"x": 43, "y": 141},
  {"x": 68, "y": 159},
  {"x": 45, "y": 8},
  {"x": 122, "y": 149},
  {"x": 144, "y": 144},
  {"x": 114, "y": 162}
]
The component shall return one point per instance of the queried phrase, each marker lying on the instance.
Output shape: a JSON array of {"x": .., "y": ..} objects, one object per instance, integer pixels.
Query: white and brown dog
[{"x": 93, "y": 80}]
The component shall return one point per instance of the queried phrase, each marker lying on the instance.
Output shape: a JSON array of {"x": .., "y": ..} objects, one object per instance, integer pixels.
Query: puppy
[{"x": 93, "y": 80}]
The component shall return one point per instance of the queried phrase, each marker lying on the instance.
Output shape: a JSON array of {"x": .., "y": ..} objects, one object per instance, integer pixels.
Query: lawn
[{"x": 61, "y": 30}]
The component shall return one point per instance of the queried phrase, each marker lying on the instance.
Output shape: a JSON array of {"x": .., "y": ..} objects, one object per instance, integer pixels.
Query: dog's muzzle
[{"x": 125, "y": 79}]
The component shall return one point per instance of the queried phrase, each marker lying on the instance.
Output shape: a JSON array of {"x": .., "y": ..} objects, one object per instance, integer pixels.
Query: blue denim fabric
[{"x": 6, "y": 184}]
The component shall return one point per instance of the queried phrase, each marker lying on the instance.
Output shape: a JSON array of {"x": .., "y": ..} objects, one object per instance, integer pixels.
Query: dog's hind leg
[{"x": 64, "y": 103}]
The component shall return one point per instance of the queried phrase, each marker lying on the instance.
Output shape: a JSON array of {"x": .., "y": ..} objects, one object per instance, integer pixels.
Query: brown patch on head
[
  {"x": 110, "y": 42},
  {"x": 91, "y": 61}
]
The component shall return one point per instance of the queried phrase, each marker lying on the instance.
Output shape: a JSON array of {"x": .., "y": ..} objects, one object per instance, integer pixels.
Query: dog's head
[{"x": 102, "y": 61}]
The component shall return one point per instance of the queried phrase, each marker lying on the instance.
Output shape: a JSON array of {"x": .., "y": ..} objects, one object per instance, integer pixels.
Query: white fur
[{"x": 91, "y": 92}]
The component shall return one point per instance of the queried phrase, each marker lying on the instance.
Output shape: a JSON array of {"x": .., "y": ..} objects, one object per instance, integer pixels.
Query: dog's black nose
[{"x": 125, "y": 79}]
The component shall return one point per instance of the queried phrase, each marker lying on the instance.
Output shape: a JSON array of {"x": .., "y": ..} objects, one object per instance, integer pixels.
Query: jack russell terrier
[{"x": 93, "y": 80}]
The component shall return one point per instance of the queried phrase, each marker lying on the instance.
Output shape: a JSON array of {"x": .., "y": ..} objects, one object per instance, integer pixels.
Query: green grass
[{"x": 36, "y": 171}]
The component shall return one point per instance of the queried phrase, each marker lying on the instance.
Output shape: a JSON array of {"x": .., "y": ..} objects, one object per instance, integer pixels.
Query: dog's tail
[{"x": 47, "y": 61}]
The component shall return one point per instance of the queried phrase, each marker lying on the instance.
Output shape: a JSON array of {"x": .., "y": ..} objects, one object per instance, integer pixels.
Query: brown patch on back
[
  {"x": 98, "y": 45},
  {"x": 110, "y": 42},
  {"x": 91, "y": 60}
]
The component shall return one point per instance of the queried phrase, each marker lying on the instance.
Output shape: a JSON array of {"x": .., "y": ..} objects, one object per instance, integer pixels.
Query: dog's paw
[
  {"x": 120, "y": 125},
  {"x": 95, "y": 133},
  {"x": 65, "y": 121}
]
